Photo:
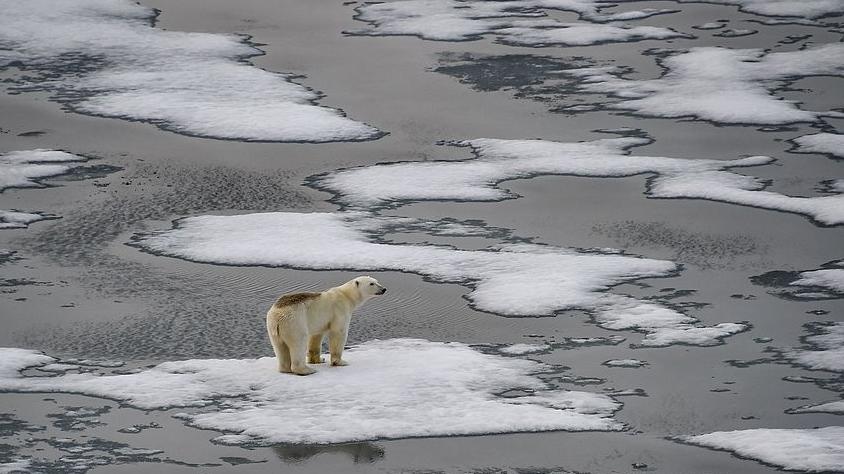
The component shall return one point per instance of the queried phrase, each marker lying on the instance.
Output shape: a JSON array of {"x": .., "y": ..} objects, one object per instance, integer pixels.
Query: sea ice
[
  {"x": 579, "y": 34},
  {"x": 497, "y": 160},
  {"x": 735, "y": 32},
  {"x": 826, "y": 348},
  {"x": 516, "y": 22},
  {"x": 105, "y": 57},
  {"x": 513, "y": 279},
  {"x": 836, "y": 407},
  {"x": 826, "y": 282},
  {"x": 712, "y": 25},
  {"x": 717, "y": 84},
  {"x": 807, "y": 9},
  {"x": 831, "y": 278},
  {"x": 813, "y": 450},
  {"x": 826, "y": 143},
  {"x": 520, "y": 349},
  {"x": 22, "y": 169},
  {"x": 19, "y": 220},
  {"x": 395, "y": 388},
  {"x": 627, "y": 363}
]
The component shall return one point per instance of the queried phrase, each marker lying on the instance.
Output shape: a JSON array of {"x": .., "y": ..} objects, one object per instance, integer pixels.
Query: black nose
[{"x": 383, "y": 290}]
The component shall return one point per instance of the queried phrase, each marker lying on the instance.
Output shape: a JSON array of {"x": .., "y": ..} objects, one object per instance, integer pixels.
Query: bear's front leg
[{"x": 336, "y": 341}]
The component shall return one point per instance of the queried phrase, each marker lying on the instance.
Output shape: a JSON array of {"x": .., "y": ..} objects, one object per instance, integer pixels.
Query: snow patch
[
  {"x": 19, "y": 220},
  {"x": 520, "y": 349},
  {"x": 813, "y": 450},
  {"x": 514, "y": 279},
  {"x": 105, "y": 57},
  {"x": 826, "y": 350},
  {"x": 22, "y": 169},
  {"x": 394, "y": 388},
  {"x": 499, "y": 160},
  {"x": 826, "y": 143},
  {"x": 806, "y": 9},
  {"x": 831, "y": 278},
  {"x": 515, "y": 22},
  {"x": 836, "y": 407},
  {"x": 733, "y": 86},
  {"x": 627, "y": 363}
]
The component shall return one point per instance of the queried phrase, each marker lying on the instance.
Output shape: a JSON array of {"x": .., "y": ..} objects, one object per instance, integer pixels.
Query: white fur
[{"x": 297, "y": 329}]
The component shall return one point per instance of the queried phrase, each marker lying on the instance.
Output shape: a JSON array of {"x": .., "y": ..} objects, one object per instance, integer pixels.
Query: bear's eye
[{"x": 372, "y": 284}]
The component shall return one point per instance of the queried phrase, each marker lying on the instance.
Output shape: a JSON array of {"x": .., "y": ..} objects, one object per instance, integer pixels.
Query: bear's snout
[{"x": 381, "y": 291}]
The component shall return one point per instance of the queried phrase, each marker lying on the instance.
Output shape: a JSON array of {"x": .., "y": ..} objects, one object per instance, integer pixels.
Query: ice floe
[
  {"x": 511, "y": 279},
  {"x": 721, "y": 85},
  {"x": 830, "y": 278},
  {"x": 813, "y": 450},
  {"x": 19, "y": 220},
  {"x": 712, "y": 25},
  {"x": 516, "y": 22},
  {"x": 825, "y": 348},
  {"x": 831, "y": 144},
  {"x": 807, "y": 9},
  {"x": 394, "y": 388},
  {"x": 520, "y": 349},
  {"x": 836, "y": 407},
  {"x": 105, "y": 57},
  {"x": 627, "y": 363},
  {"x": 499, "y": 160},
  {"x": 22, "y": 169},
  {"x": 735, "y": 32},
  {"x": 826, "y": 282}
]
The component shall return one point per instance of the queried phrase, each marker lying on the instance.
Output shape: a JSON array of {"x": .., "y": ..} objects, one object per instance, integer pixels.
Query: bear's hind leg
[
  {"x": 298, "y": 351},
  {"x": 282, "y": 352},
  {"x": 282, "y": 355},
  {"x": 284, "y": 358},
  {"x": 314, "y": 349}
]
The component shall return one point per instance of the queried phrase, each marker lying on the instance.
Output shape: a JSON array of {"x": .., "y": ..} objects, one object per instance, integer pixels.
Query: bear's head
[{"x": 369, "y": 287}]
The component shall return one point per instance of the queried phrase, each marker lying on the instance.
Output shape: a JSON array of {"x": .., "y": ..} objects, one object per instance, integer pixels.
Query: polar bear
[{"x": 297, "y": 323}]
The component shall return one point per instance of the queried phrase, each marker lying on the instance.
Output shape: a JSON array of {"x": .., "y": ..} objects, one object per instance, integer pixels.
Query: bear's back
[{"x": 293, "y": 299}]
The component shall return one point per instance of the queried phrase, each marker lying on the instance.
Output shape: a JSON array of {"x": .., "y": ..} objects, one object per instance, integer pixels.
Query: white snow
[
  {"x": 718, "y": 84},
  {"x": 712, "y": 25},
  {"x": 517, "y": 279},
  {"x": 192, "y": 83},
  {"x": 735, "y": 32},
  {"x": 836, "y": 407},
  {"x": 395, "y": 388},
  {"x": 58, "y": 367},
  {"x": 827, "y": 143},
  {"x": 22, "y": 169},
  {"x": 812, "y": 450},
  {"x": 807, "y": 9},
  {"x": 513, "y": 22},
  {"x": 579, "y": 34},
  {"x": 499, "y": 160},
  {"x": 14, "y": 360},
  {"x": 832, "y": 278},
  {"x": 627, "y": 363},
  {"x": 18, "y": 220},
  {"x": 828, "y": 351},
  {"x": 522, "y": 348}
]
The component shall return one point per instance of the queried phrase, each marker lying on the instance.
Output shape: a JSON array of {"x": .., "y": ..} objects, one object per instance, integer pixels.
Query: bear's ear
[{"x": 357, "y": 283}]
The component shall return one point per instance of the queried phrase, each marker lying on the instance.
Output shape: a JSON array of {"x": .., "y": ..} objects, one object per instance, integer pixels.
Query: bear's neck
[{"x": 351, "y": 293}]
